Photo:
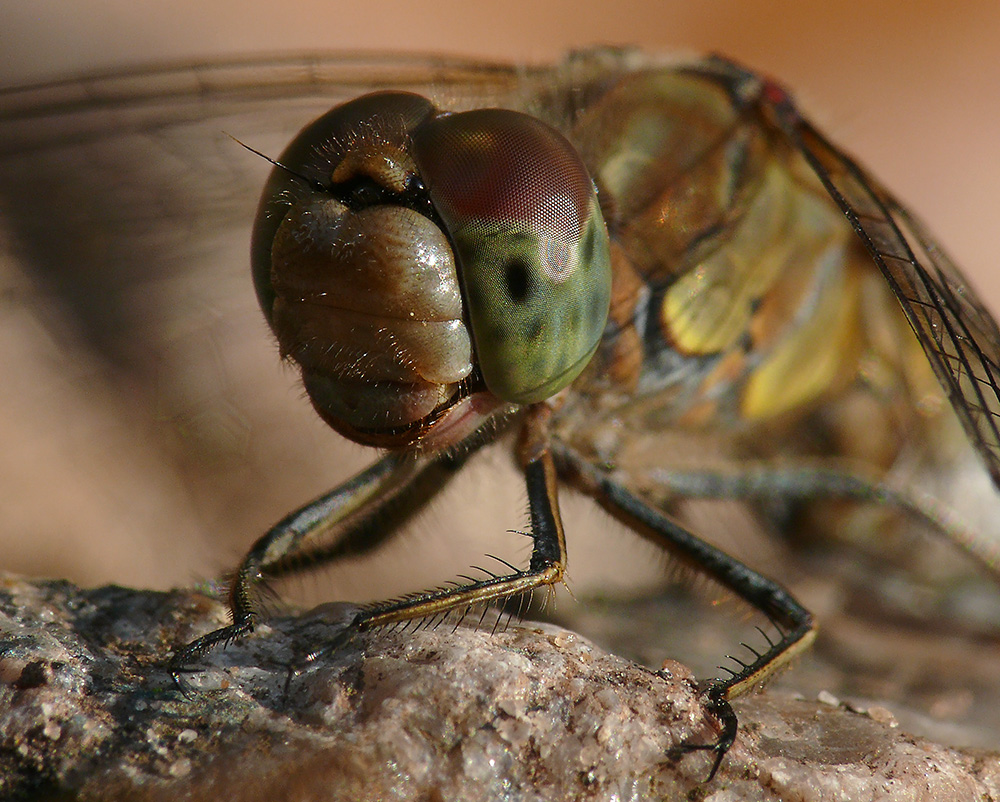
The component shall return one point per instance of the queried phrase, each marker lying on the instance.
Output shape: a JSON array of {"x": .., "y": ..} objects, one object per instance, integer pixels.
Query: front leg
[
  {"x": 548, "y": 556},
  {"x": 353, "y": 518}
]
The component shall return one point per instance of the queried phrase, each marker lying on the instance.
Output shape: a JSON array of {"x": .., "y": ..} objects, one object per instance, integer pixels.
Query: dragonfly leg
[
  {"x": 794, "y": 622},
  {"x": 808, "y": 482},
  {"x": 355, "y": 517},
  {"x": 546, "y": 566}
]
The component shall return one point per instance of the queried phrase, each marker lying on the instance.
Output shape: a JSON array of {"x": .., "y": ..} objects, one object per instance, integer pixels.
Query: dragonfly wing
[
  {"x": 139, "y": 373},
  {"x": 130, "y": 180},
  {"x": 957, "y": 333}
]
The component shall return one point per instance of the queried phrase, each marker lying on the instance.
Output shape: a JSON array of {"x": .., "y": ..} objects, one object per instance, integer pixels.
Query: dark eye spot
[
  {"x": 534, "y": 329},
  {"x": 517, "y": 280},
  {"x": 589, "y": 245}
]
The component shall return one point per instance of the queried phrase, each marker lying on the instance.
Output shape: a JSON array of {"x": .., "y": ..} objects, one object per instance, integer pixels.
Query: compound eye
[{"x": 532, "y": 246}]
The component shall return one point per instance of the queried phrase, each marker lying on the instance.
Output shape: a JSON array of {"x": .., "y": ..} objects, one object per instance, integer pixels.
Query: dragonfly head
[{"x": 426, "y": 269}]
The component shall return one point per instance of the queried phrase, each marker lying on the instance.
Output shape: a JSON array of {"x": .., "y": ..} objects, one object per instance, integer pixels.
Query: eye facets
[{"x": 520, "y": 207}]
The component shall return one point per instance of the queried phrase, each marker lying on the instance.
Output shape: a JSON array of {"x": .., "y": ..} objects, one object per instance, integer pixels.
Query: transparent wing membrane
[{"x": 958, "y": 335}]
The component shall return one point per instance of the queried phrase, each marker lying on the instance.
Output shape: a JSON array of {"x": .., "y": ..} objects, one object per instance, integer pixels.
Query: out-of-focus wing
[
  {"x": 958, "y": 335},
  {"x": 142, "y": 394},
  {"x": 112, "y": 179}
]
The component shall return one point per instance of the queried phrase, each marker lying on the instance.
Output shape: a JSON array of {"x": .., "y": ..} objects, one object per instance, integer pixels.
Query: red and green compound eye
[{"x": 521, "y": 210}]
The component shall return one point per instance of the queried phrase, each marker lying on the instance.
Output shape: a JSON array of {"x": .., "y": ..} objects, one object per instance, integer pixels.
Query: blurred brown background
[{"x": 913, "y": 88}]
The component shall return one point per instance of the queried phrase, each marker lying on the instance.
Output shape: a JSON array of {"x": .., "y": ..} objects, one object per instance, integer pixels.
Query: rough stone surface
[{"x": 526, "y": 713}]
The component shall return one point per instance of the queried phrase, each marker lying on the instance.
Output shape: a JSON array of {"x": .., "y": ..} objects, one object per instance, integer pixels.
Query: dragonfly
[{"x": 620, "y": 261}]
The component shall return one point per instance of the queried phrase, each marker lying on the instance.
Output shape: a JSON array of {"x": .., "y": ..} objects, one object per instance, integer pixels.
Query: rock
[{"x": 528, "y": 712}]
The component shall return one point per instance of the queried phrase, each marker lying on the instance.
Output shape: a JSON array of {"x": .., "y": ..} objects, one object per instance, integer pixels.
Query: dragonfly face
[
  {"x": 357, "y": 247},
  {"x": 654, "y": 254}
]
